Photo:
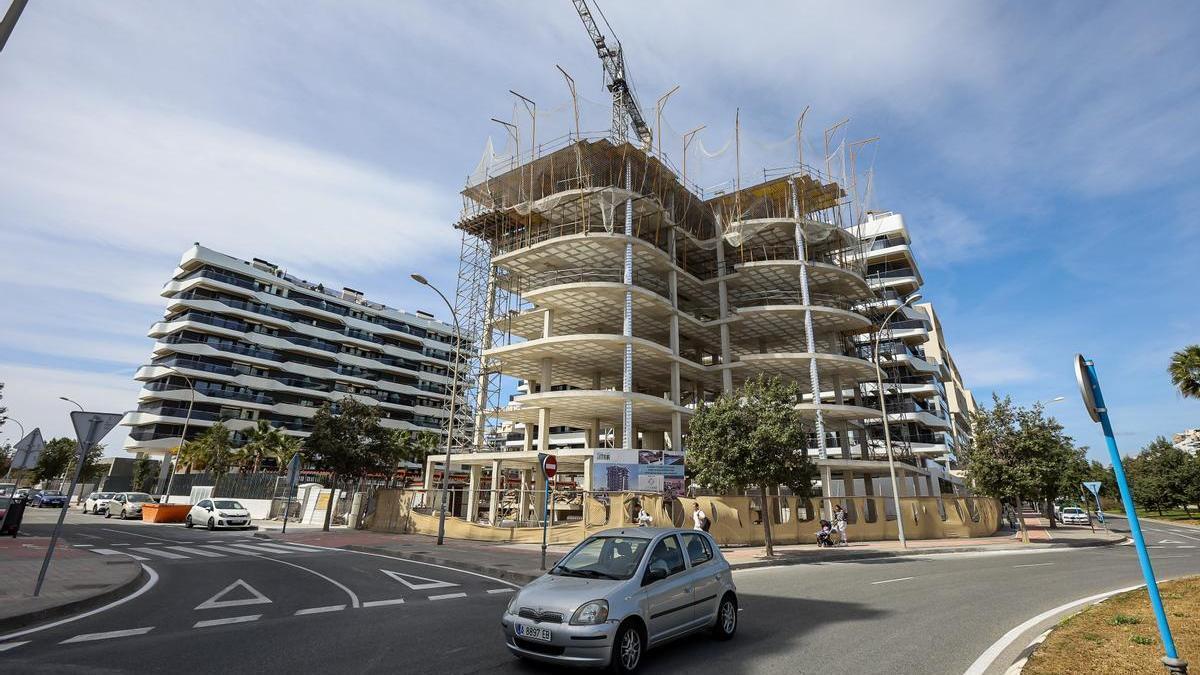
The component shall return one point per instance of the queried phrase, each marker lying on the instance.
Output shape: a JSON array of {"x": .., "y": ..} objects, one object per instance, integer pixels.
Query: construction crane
[{"x": 625, "y": 107}]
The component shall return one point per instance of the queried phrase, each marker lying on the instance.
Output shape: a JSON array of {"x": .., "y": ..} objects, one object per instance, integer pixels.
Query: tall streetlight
[
  {"x": 453, "y": 404},
  {"x": 1056, "y": 399},
  {"x": 76, "y": 404},
  {"x": 22, "y": 428},
  {"x": 166, "y": 493},
  {"x": 887, "y": 434}
]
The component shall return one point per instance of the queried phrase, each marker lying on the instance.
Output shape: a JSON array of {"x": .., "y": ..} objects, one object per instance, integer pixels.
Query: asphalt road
[{"x": 334, "y": 611}]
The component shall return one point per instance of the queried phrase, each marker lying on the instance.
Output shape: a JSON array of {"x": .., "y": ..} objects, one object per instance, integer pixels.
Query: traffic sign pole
[
  {"x": 549, "y": 468},
  {"x": 1093, "y": 399}
]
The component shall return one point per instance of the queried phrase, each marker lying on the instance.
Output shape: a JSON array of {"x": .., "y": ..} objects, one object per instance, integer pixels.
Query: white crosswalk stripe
[
  {"x": 90, "y": 637},
  {"x": 161, "y": 554},
  {"x": 278, "y": 548},
  {"x": 196, "y": 551},
  {"x": 262, "y": 548}
]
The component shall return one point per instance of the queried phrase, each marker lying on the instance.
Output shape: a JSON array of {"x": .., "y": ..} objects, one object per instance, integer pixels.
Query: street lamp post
[
  {"x": 166, "y": 492},
  {"x": 22, "y": 428},
  {"x": 453, "y": 404},
  {"x": 887, "y": 434},
  {"x": 84, "y": 455}
]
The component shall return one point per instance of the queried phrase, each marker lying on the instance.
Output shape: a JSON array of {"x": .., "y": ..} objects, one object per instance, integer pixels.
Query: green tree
[
  {"x": 996, "y": 461},
  {"x": 393, "y": 447},
  {"x": 342, "y": 442},
  {"x": 1055, "y": 464},
  {"x": 284, "y": 450},
  {"x": 261, "y": 442},
  {"x": 1161, "y": 476},
  {"x": 54, "y": 459},
  {"x": 6, "y": 457},
  {"x": 752, "y": 437},
  {"x": 211, "y": 451},
  {"x": 1184, "y": 370},
  {"x": 145, "y": 472}
]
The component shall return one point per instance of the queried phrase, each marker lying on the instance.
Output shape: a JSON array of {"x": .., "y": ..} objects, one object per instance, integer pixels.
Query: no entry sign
[{"x": 549, "y": 465}]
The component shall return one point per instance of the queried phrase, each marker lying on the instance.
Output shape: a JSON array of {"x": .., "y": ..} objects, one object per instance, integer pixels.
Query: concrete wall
[
  {"x": 260, "y": 509},
  {"x": 735, "y": 520}
]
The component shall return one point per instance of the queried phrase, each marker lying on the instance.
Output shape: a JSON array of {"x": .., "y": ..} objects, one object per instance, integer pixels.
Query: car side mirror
[{"x": 657, "y": 572}]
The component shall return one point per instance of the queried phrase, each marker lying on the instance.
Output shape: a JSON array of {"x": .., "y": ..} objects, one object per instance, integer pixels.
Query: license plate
[{"x": 533, "y": 633}]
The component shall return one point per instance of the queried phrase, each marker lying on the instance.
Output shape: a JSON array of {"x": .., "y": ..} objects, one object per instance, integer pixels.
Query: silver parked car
[{"x": 619, "y": 593}]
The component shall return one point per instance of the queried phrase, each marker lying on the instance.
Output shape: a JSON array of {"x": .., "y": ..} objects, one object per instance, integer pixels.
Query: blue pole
[{"x": 1172, "y": 660}]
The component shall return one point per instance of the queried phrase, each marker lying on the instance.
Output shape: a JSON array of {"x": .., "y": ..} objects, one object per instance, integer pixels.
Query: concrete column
[
  {"x": 587, "y": 474},
  {"x": 839, "y": 398},
  {"x": 826, "y": 484},
  {"x": 494, "y": 497},
  {"x": 485, "y": 343},
  {"x": 652, "y": 440},
  {"x": 474, "y": 482},
  {"x": 723, "y": 300},
  {"x": 539, "y": 496},
  {"x": 618, "y": 437},
  {"x": 429, "y": 460},
  {"x": 527, "y": 441},
  {"x": 523, "y": 498},
  {"x": 676, "y": 431},
  {"x": 548, "y": 323},
  {"x": 676, "y": 391},
  {"x": 543, "y": 430}
]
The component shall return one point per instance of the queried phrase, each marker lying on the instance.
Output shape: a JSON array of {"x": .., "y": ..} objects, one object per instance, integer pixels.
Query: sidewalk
[
  {"x": 76, "y": 581},
  {"x": 521, "y": 563}
]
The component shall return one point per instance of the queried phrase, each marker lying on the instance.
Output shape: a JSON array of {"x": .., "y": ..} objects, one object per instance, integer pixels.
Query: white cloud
[
  {"x": 985, "y": 366},
  {"x": 31, "y": 395},
  {"x": 944, "y": 234}
]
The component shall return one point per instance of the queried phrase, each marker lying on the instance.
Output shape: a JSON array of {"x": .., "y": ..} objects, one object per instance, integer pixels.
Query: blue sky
[{"x": 1044, "y": 156}]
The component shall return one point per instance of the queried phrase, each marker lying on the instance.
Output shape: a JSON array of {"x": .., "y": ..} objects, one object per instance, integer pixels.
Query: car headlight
[
  {"x": 591, "y": 613},
  {"x": 222, "y": 514},
  {"x": 512, "y": 604}
]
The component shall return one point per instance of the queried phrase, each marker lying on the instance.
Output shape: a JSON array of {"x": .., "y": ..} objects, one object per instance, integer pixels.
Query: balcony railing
[{"x": 221, "y": 277}]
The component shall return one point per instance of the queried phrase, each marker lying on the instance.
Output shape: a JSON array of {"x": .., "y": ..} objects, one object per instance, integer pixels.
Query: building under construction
[{"x": 621, "y": 297}]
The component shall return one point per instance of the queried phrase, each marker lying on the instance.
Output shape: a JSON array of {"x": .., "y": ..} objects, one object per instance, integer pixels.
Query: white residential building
[{"x": 255, "y": 343}]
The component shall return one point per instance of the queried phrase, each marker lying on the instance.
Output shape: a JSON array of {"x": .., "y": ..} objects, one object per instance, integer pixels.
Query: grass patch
[
  {"x": 1178, "y": 516},
  {"x": 1113, "y": 637}
]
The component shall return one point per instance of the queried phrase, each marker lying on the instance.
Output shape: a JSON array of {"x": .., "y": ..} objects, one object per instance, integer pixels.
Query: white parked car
[
  {"x": 97, "y": 502},
  {"x": 1073, "y": 515},
  {"x": 218, "y": 513},
  {"x": 127, "y": 505}
]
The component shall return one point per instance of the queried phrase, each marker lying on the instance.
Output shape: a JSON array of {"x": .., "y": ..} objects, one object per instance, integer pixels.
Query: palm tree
[
  {"x": 261, "y": 442},
  {"x": 284, "y": 450},
  {"x": 1185, "y": 371}
]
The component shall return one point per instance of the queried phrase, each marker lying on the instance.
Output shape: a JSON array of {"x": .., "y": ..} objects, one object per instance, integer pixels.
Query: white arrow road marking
[
  {"x": 448, "y": 596},
  {"x": 885, "y": 581},
  {"x": 216, "y": 602},
  {"x": 1170, "y": 541},
  {"x": 89, "y": 637},
  {"x": 196, "y": 551},
  {"x": 430, "y": 583},
  {"x": 385, "y": 603},
  {"x": 109, "y": 551},
  {"x": 227, "y": 620},
  {"x": 320, "y": 610},
  {"x": 493, "y": 591},
  {"x": 160, "y": 554},
  {"x": 12, "y": 645}
]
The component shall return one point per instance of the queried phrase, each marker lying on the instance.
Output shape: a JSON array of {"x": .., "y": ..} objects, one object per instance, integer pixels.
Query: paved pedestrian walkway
[
  {"x": 522, "y": 562},
  {"x": 76, "y": 580}
]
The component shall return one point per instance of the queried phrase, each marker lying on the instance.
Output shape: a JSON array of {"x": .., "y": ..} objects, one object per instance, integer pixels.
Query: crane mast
[{"x": 625, "y": 108}]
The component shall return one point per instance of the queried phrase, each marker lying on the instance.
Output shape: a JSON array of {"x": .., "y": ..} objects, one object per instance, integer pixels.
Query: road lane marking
[
  {"x": 413, "y": 562},
  {"x": 888, "y": 581},
  {"x": 13, "y": 645},
  {"x": 501, "y": 590},
  {"x": 429, "y": 583},
  {"x": 447, "y": 596},
  {"x": 985, "y": 660},
  {"x": 162, "y": 554},
  {"x": 109, "y": 551},
  {"x": 91, "y": 637},
  {"x": 1185, "y": 547},
  {"x": 227, "y": 620},
  {"x": 196, "y": 551},
  {"x": 320, "y": 610},
  {"x": 120, "y": 544},
  {"x": 146, "y": 587},
  {"x": 1034, "y": 565},
  {"x": 142, "y": 536},
  {"x": 227, "y": 549},
  {"x": 83, "y": 545},
  {"x": 383, "y": 603},
  {"x": 215, "y": 602},
  {"x": 354, "y": 601},
  {"x": 306, "y": 546}
]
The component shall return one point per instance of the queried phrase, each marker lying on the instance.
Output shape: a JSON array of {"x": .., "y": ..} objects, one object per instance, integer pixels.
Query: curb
[
  {"x": 851, "y": 556},
  {"x": 105, "y": 596}
]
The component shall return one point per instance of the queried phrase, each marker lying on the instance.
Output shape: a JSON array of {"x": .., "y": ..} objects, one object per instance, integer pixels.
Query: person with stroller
[{"x": 839, "y": 524}]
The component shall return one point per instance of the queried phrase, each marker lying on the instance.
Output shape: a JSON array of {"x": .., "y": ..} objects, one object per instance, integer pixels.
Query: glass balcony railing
[{"x": 221, "y": 277}]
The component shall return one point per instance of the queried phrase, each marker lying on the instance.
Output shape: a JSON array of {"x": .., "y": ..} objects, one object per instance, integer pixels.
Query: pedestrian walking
[
  {"x": 643, "y": 518},
  {"x": 839, "y": 524},
  {"x": 699, "y": 520}
]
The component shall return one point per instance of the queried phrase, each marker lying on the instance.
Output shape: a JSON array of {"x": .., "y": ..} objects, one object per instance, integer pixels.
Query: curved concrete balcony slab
[
  {"x": 774, "y": 275},
  {"x": 815, "y": 231},
  {"x": 578, "y": 359},
  {"x": 795, "y": 365},
  {"x": 923, "y": 418},
  {"x": 770, "y": 321},
  {"x": 838, "y": 412},
  {"x": 584, "y": 251},
  {"x": 581, "y": 408}
]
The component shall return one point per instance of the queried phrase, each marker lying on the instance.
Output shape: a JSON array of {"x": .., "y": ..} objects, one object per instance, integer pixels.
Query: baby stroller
[{"x": 824, "y": 535}]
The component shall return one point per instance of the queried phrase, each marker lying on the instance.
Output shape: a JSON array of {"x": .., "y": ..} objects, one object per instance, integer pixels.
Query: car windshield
[
  {"x": 603, "y": 558},
  {"x": 52, "y": 493},
  {"x": 104, "y": 495},
  {"x": 4, "y": 502},
  {"x": 1073, "y": 509},
  {"x": 227, "y": 504},
  {"x": 139, "y": 497}
]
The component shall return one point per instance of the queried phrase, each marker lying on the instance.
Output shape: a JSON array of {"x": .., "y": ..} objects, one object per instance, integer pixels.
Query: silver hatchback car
[{"x": 619, "y": 593}]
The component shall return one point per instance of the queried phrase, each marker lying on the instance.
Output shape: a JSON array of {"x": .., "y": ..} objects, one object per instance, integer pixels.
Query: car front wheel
[
  {"x": 627, "y": 649},
  {"x": 187, "y": 522},
  {"x": 727, "y": 617},
  {"x": 107, "y": 514},
  {"x": 212, "y": 524}
]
